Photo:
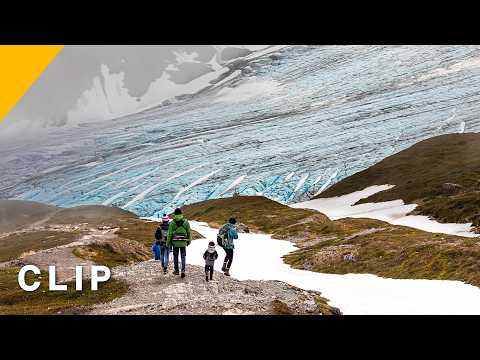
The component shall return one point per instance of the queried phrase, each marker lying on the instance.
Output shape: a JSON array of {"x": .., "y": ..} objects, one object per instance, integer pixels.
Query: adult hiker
[
  {"x": 226, "y": 235},
  {"x": 161, "y": 235},
  {"x": 179, "y": 236}
]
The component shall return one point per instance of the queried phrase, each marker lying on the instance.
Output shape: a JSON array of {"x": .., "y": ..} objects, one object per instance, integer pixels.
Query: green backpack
[{"x": 180, "y": 232}]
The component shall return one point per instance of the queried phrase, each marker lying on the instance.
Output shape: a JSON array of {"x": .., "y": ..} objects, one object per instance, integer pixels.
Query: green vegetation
[
  {"x": 135, "y": 238},
  {"x": 324, "y": 308},
  {"x": 420, "y": 173},
  {"x": 14, "y": 245},
  {"x": 16, "y": 214},
  {"x": 280, "y": 308},
  {"x": 94, "y": 215},
  {"x": 350, "y": 245},
  {"x": 14, "y": 300},
  {"x": 394, "y": 252},
  {"x": 143, "y": 231},
  {"x": 114, "y": 253},
  {"x": 261, "y": 215}
]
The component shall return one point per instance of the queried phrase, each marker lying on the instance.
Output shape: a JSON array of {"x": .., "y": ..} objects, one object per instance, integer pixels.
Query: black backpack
[
  {"x": 222, "y": 234},
  {"x": 158, "y": 234}
]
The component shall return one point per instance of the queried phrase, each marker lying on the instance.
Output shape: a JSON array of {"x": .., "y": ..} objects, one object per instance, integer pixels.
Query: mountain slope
[
  {"x": 441, "y": 174},
  {"x": 348, "y": 245},
  {"x": 16, "y": 213},
  {"x": 152, "y": 293},
  {"x": 260, "y": 214}
]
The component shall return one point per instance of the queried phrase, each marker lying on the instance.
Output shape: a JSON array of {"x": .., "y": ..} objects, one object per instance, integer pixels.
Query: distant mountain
[{"x": 16, "y": 213}]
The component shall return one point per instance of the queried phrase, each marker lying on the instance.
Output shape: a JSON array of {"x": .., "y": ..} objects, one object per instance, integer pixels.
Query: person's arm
[
  {"x": 205, "y": 255},
  {"x": 189, "y": 233},
  {"x": 216, "y": 255},
  {"x": 170, "y": 234}
]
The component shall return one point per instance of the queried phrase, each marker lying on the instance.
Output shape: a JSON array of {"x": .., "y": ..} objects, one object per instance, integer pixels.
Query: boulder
[{"x": 451, "y": 188}]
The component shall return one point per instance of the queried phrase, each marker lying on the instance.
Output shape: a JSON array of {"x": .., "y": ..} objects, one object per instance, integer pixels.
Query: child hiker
[{"x": 210, "y": 255}]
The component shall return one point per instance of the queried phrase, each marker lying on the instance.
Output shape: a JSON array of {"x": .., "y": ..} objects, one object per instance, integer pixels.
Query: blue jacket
[{"x": 156, "y": 251}]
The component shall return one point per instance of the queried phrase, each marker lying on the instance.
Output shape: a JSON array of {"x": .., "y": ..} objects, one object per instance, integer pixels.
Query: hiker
[
  {"x": 225, "y": 238},
  {"x": 179, "y": 236},
  {"x": 156, "y": 250},
  {"x": 161, "y": 235},
  {"x": 210, "y": 255}
]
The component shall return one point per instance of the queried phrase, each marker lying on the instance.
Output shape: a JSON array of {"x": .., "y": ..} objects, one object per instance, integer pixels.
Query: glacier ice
[{"x": 334, "y": 111}]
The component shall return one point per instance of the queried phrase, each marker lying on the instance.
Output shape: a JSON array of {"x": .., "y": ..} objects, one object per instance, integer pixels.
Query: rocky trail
[
  {"x": 62, "y": 256},
  {"x": 153, "y": 293}
]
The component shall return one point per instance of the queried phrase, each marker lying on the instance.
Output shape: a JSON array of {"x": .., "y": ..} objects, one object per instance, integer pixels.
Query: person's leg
[
  {"x": 166, "y": 253},
  {"x": 225, "y": 261},
  {"x": 175, "y": 259},
  {"x": 207, "y": 269},
  {"x": 211, "y": 272},
  {"x": 162, "y": 250},
  {"x": 183, "y": 252},
  {"x": 230, "y": 259}
]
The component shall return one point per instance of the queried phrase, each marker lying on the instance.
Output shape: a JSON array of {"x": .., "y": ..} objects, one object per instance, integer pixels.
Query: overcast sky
[{"x": 72, "y": 72}]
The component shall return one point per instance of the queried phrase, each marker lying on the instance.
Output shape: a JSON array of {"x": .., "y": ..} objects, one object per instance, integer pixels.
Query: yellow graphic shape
[{"x": 20, "y": 66}]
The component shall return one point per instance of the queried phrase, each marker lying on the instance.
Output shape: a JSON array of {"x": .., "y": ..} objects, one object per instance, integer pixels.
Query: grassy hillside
[
  {"x": 13, "y": 300},
  {"x": 262, "y": 215},
  {"x": 394, "y": 252},
  {"x": 34, "y": 226},
  {"x": 15, "y": 214},
  {"x": 350, "y": 245},
  {"x": 14, "y": 245},
  {"x": 94, "y": 215},
  {"x": 423, "y": 174}
]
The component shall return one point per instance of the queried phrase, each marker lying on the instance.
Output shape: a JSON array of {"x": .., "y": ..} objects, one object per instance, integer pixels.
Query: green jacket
[{"x": 182, "y": 230}]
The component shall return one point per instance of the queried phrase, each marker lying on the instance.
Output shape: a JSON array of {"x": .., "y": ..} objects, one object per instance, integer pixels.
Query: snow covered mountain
[{"x": 284, "y": 122}]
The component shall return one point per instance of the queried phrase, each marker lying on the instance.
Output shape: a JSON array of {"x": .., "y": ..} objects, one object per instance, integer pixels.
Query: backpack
[
  {"x": 158, "y": 234},
  {"x": 222, "y": 234},
  {"x": 180, "y": 225},
  {"x": 164, "y": 225},
  {"x": 164, "y": 229}
]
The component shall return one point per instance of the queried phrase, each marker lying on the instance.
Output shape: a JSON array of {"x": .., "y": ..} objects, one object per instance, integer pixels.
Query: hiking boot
[
  {"x": 206, "y": 278},
  {"x": 176, "y": 272},
  {"x": 165, "y": 271},
  {"x": 183, "y": 275},
  {"x": 226, "y": 273},
  {"x": 224, "y": 267}
]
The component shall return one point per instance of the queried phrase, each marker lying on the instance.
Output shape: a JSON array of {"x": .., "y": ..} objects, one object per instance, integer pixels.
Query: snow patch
[
  {"x": 259, "y": 257},
  {"x": 247, "y": 90},
  {"x": 394, "y": 212}
]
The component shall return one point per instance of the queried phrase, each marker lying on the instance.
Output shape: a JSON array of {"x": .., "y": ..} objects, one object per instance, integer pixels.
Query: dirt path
[
  {"x": 62, "y": 257},
  {"x": 152, "y": 292}
]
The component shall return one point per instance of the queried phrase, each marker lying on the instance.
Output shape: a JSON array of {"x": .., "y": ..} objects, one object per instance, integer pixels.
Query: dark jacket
[{"x": 210, "y": 257}]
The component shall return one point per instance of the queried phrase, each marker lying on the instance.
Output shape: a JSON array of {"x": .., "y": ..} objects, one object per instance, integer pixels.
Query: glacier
[{"x": 285, "y": 123}]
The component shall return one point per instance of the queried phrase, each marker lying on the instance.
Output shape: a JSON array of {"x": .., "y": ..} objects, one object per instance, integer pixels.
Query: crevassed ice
[{"x": 327, "y": 112}]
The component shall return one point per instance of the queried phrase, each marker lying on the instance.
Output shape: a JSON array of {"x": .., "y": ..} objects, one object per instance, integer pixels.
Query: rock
[
  {"x": 451, "y": 188},
  {"x": 349, "y": 257},
  {"x": 242, "y": 228},
  {"x": 151, "y": 292}
]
